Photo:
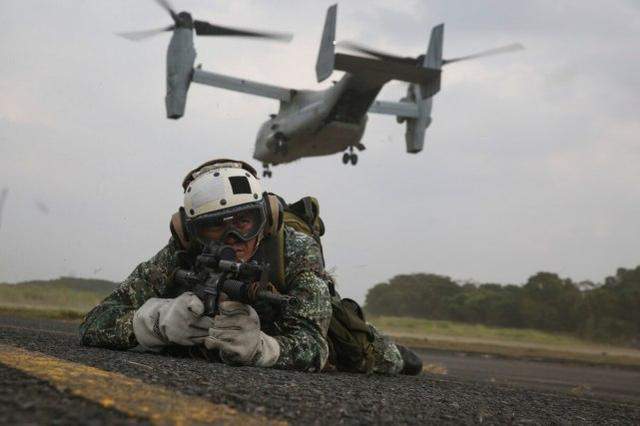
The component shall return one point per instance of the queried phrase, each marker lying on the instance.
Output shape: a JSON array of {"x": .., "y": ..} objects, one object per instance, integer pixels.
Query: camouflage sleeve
[
  {"x": 303, "y": 329},
  {"x": 110, "y": 323}
]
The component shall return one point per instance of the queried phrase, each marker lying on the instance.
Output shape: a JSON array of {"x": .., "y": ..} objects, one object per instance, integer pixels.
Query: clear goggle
[{"x": 244, "y": 224}]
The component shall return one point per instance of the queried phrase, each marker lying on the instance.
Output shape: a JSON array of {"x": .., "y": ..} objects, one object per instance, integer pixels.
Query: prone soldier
[{"x": 224, "y": 203}]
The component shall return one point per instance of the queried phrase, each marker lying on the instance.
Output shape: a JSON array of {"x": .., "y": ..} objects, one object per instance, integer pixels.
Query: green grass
[
  {"x": 423, "y": 327},
  {"x": 503, "y": 342},
  {"x": 49, "y": 298},
  {"x": 70, "y": 294}
]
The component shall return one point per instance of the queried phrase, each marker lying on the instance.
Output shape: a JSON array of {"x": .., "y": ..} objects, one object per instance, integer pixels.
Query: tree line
[{"x": 607, "y": 311}]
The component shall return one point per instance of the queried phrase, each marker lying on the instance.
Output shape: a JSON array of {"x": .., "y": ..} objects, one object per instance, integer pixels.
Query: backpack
[{"x": 350, "y": 337}]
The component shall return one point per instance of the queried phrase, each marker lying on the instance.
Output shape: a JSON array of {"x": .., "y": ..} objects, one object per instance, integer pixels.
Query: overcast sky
[{"x": 532, "y": 161}]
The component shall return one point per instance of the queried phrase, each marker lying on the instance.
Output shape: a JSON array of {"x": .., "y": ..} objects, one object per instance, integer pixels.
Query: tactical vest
[{"x": 303, "y": 216}]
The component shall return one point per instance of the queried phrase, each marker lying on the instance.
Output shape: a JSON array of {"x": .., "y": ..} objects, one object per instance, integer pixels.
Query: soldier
[{"x": 225, "y": 202}]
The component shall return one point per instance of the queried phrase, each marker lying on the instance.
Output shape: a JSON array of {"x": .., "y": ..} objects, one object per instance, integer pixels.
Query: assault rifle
[{"x": 217, "y": 270}]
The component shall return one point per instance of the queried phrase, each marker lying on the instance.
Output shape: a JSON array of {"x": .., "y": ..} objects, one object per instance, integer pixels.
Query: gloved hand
[
  {"x": 160, "y": 322},
  {"x": 236, "y": 333}
]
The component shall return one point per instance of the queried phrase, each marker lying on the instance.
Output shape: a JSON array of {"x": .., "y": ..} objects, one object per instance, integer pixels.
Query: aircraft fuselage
[{"x": 310, "y": 125}]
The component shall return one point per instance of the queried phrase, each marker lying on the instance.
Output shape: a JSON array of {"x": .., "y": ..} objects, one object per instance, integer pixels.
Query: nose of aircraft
[{"x": 264, "y": 140}]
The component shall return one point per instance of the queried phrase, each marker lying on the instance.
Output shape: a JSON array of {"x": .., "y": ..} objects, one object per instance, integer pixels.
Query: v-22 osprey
[{"x": 319, "y": 122}]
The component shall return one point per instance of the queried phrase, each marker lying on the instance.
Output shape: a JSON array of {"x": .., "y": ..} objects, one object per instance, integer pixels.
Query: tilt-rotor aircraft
[{"x": 322, "y": 122}]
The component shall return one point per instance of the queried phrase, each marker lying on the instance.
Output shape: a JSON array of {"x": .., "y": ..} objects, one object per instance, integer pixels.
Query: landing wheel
[
  {"x": 266, "y": 172},
  {"x": 354, "y": 159},
  {"x": 345, "y": 158}
]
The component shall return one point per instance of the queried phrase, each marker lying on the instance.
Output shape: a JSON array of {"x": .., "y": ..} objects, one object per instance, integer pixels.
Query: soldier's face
[
  {"x": 242, "y": 223},
  {"x": 244, "y": 249}
]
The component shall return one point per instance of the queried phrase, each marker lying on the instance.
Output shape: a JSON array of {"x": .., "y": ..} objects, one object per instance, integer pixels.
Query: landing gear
[
  {"x": 266, "y": 173},
  {"x": 350, "y": 157}
]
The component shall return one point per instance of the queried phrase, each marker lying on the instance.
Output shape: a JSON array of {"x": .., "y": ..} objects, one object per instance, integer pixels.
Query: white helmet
[{"x": 226, "y": 197}]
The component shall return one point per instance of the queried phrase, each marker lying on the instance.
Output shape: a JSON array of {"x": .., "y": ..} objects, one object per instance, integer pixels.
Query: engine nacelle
[
  {"x": 416, "y": 127},
  {"x": 181, "y": 56}
]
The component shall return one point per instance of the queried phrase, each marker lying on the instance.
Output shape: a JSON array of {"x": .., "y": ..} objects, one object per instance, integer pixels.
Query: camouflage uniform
[{"x": 301, "y": 331}]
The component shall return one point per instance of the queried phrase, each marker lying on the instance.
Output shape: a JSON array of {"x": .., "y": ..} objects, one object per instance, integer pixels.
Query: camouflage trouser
[{"x": 387, "y": 358}]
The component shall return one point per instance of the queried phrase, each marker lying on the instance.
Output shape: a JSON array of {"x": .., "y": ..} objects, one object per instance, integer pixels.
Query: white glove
[
  {"x": 236, "y": 334},
  {"x": 161, "y": 322}
]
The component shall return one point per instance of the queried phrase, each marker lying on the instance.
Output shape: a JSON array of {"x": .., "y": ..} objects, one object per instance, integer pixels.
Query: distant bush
[{"x": 609, "y": 311}]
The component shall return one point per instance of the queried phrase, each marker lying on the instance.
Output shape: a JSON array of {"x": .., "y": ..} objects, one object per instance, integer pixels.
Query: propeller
[
  {"x": 491, "y": 52},
  {"x": 141, "y": 35},
  {"x": 419, "y": 59},
  {"x": 203, "y": 28}
]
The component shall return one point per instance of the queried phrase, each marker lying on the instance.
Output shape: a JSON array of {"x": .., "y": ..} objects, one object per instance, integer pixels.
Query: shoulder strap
[
  {"x": 273, "y": 252},
  {"x": 177, "y": 227},
  {"x": 275, "y": 215}
]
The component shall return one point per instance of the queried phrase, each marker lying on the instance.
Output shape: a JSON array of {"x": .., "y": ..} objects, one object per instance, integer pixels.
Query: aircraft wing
[
  {"x": 399, "y": 109},
  {"x": 242, "y": 85}
]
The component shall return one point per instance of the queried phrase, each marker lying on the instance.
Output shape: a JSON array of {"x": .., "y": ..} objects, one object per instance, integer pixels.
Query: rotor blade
[
  {"x": 141, "y": 35},
  {"x": 497, "y": 51},
  {"x": 375, "y": 53},
  {"x": 167, "y": 6},
  {"x": 206, "y": 29}
]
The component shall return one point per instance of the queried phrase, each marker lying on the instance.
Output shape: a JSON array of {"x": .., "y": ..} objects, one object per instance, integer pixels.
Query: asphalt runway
[
  {"x": 621, "y": 384},
  {"x": 46, "y": 377}
]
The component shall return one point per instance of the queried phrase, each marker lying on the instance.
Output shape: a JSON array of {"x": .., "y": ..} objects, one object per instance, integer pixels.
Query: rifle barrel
[{"x": 184, "y": 277}]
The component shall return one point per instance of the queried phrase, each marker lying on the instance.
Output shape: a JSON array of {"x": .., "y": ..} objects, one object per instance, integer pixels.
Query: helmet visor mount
[{"x": 243, "y": 223}]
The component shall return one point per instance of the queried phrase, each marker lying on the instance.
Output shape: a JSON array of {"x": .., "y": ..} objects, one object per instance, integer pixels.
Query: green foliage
[
  {"x": 550, "y": 303},
  {"x": 607, "y": 312},
  {"x": 412, "y": 295}
]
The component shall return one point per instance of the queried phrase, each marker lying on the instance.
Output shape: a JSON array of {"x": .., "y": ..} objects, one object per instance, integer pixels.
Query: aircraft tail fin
[
  {"x": 433, "y": 60},
  {"x": 326, "y": 54},
  {"x": 380, "y": 66},
  {"x": 426, "y": 72}
]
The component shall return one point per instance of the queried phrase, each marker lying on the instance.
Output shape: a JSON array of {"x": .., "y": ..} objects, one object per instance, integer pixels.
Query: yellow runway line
[{"x": 130, "y": 396}]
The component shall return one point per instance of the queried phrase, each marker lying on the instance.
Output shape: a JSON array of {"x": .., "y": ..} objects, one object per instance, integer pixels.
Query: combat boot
[{"x": 412, "y": 362}]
